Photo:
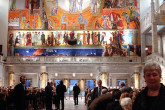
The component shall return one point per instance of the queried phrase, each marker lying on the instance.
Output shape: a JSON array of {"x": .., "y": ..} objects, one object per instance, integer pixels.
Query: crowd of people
[{"x": 151, "y": 97}]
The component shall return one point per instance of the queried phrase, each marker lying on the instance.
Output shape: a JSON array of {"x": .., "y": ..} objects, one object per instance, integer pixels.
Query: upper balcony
[
  {"x": 146, "y": 22},
  {"x": 159, "y": 18},
  {"x": 72, "y": 60},
  {"x": 155, "y": 58},
  {"x": 1, "y": 59}
]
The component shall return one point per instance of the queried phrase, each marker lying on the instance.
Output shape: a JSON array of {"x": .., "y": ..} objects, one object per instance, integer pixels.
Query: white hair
[{"x": 125, "y": 103}]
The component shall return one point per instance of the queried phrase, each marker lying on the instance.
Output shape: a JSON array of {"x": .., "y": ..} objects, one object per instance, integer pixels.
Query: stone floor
[{"x": 69, "y": 104}]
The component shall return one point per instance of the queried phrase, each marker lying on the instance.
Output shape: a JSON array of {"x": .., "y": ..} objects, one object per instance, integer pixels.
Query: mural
[{"x": 95, "y": 27}]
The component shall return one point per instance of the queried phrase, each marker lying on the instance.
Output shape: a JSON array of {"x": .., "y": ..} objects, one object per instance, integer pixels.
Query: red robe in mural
[{"x": 27, "y": 4}]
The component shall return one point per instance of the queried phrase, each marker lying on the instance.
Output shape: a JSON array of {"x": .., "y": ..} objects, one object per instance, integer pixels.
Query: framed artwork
[
  {"x": 28, "y": 83},
  {"x": 118, "y": 81}
]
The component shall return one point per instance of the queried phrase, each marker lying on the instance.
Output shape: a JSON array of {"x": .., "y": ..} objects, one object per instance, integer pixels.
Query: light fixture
[
  {"x": 91, "y": 74},
  {"x": 146, "y": 48},
  {"x": 56, "y": 74},
  {"x": 74, "y": 74}
]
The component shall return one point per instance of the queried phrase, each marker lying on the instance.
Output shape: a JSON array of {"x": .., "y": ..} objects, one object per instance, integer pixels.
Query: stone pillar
[
  {"x": 154, "y": 29},
  {"x": 44, "y": 79},
  {"x": 136, "y": 78},
  {"x": 11, "y": 78},
  {"x": 104, "y": 79},
  {"x": 82, "y": 85},
  {"x": 143, "y": 46},
  {"x": 66, "y": 83},
  {"x": 154, "y": 39},
  {"x": 160, "y": 45}
]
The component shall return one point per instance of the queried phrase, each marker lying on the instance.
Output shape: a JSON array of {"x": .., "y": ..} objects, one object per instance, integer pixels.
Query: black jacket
[
  {"x": 60, "y": 90},
  {"x": 95, "y": 92},
  {"x": 141, "y": 100},
  {"x": 76, "y": 90},
  {"x": 19, "y": 96}
]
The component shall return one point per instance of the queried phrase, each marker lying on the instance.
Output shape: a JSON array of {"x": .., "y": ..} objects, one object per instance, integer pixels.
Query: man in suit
[
  {"x": 49, "y": 96},
  {"x": 60, "y": 90},
  {"x": 98, "y": 90},
  {"x": 76, "y": 91},
  {"x": 124, "y": 88},
  {"x": 20, "y": 94}
]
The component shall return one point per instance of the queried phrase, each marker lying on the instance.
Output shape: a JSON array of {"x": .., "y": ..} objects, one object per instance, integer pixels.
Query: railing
[
  {"x": 79, "y": 59},
  {"x": 155, "y": 57},
  {"x": 146, "y": 22},
  {"x": 1, "y": 59}
]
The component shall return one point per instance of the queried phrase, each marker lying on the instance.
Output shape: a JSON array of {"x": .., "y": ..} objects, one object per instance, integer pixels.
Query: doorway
[
  {"x": 89, "y": 84},
  {"x": 70, "y": 89},
  {"x": 28, "y": 83}
]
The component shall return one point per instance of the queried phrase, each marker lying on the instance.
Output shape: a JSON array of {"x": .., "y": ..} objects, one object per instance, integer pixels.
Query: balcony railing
[
  {"x": 146, "y": 22},
  {"x": 1, "y": 59},
  {"x": 155, "y": 57},
  {"x": 79, "y": 59}
]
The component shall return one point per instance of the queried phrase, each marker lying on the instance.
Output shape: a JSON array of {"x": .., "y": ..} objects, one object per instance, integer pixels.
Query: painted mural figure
[
  {"x": 72, "y": 35},
  {"x": 128, "y": 50},
  {"x": 19, "y": 38},
  {"x": 54, "y": 9},
  {"x": 11, "y": 37},
  {"x": 13, "y": 5},
  {"x": 37, "y": 3},
  {"x": 63, "y": 19},
  {"x": 106, "y": 23},
  {"x": 66, "y": 38},
  {"x": 88, "y": 38},
  {"x": 102, "y": 37},
  {"x": 39, "y": 39},
  {"x": 27, "y": 26},
  {"x": 84, "y": 37},
  {"x": 49, "y": 40},
  {"x": 98, "y": 37},
  {"x": 108, "y": 4},
  {"x": 29, "y": 41},
  {"x": 73, "y": 6},
  {"x": 97, "y": 25},
  {"x": 81, "y": 21},
  {"x": 27, "y": 4},
  {"x": 80, "y": 5},
  {"x": 32, "y": 5},
  {"x": 43, "y": 38},
  {"x": 33, "y": 39},
  {"x": 94, "y": 6},
  {"x": 23, "y": 22},
  {"x": 129, "y": 18},
  {"x": 52, "y": 38}
]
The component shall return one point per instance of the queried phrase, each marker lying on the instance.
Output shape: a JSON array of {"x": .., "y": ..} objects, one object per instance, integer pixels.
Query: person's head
[
  {"x": 61, "y": 82},
  {"x": 51, "y": 83},
  {"x": 48, "y": 83},
  {"x": 54, "y": 84},
  {"x": 23, "y": 79},
  {"x": 152, "y": 75},
  {"x": 104, "y": 91},
  {"x": 75, "y": 84},
  {"x": 122, "y": 84},
  {"x": 99, "y": 83},
  {"x": 116, "y": 93},
  {"x": 126, "y": 103}
]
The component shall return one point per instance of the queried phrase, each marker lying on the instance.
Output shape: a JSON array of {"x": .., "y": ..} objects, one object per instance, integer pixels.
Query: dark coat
[
  {"x": 126, "y": 89},
  {"x": 141, "y": 100},
  {"x": 95, "y": 92},
  {"x": 19, "y": 96},
  {"x": 60, "y": 90},
  {"x": 115, "y": 105},
  {"x": 76, "y": 90},
  {"x": 101, "y": 102}
]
